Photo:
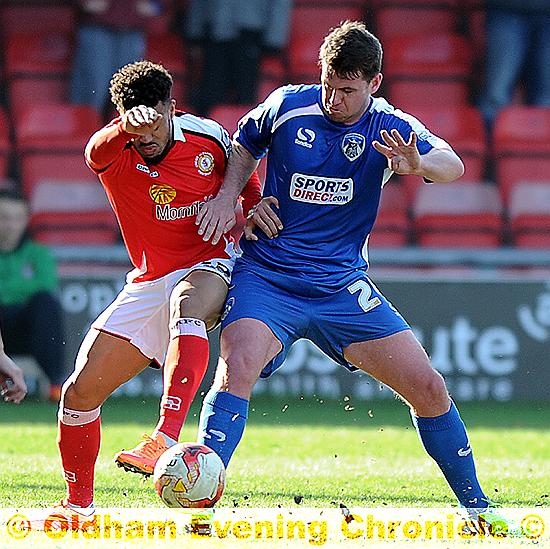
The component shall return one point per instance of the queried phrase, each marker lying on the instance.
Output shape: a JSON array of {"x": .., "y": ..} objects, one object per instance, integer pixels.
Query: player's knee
[
  {"x": 240, "y": 375},
  {"x": 433, "y": 397},
  {"x": 78, "y": 396}
]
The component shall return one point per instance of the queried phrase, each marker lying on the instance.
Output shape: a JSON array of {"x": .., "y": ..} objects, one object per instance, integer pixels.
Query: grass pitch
[{"x": 303, "y": 452}]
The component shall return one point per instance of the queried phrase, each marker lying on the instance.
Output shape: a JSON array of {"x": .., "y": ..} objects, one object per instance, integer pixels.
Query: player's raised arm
[
  {"x": 217, "y": 216},
  {"x": 441, "y": 164}
]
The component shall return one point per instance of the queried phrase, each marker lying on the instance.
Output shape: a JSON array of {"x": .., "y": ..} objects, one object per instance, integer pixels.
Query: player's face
[
  {"x": 346, "y": 99},
  {"x": 152, "y": 144}
]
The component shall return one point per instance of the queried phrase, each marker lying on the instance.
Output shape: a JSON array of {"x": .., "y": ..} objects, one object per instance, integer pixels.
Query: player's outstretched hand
[
  {"x": 263, "y": 217},
  {"x": 216, "y": 217},
  {"x": 403, "y": 156},
  {"x": 12, "y": 384},
  {"x": 140, "y": 120}
]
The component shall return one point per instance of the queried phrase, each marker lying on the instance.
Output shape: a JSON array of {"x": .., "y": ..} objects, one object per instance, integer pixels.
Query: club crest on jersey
[
  {"x": 204, "y": 162},
  {"x": 353, "y": 145},
  {"x": 162, "y": 194},
  {"x": 305, "y": 137}
]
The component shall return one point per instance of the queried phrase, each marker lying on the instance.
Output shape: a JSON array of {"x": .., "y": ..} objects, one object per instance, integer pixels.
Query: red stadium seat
[
  {"x": 521, "y": 146},
  {"x": 30, "y": 17},
  {"x": 392, "y": 225},
  {"x": 40, "y": 54},
  {"x": 467, "y": 214},
  {"x": 28, "y": 91},
  {"x": 229, "y": 114},
  {"x": 72, "y": 212},
  {"x": 424, "y": 70},
  {"x": 396, "y": 20},
  {"x": 5, "y": 144},
  {"x": 308, "y": 27},
  {"x": 45, "y": 165},
  {"x": 529, "y": 214},
  {"x": 58, "y": 127},
  {"x": 463, "y": 128}
]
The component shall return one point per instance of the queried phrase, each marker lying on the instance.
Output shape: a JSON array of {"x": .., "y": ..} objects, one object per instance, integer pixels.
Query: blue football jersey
[{"x": 327, "y": 177}]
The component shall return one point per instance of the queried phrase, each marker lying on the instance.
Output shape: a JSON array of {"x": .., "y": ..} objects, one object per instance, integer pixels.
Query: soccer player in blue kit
[{"x": 332, "y": 146}]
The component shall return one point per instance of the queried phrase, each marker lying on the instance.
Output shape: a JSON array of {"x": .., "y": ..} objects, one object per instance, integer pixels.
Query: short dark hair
[
  {"x": 350, "y": 50},
  {"x": 140, "y": 83}
]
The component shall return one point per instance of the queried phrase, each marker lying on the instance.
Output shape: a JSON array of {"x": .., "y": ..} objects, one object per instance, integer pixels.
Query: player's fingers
[
  {"x": 413, "y": 140},
  {"x": 388, "y": 139},
  {"x": 383, "y": 149},
  {"x": 398, "y": 138},
  {"x": 248, "y": 232}
]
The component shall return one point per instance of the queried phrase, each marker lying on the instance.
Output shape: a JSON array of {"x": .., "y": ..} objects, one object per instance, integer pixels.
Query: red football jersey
[{"x": 156, "y": 204}]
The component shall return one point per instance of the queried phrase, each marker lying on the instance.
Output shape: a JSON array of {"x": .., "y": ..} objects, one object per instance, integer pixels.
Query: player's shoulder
[
  {"x": 293, "y": 96},
  {"x": 381, "y": 107},
  {"x": 188, "y": 123}
]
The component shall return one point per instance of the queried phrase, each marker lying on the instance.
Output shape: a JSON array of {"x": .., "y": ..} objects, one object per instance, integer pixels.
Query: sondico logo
[
  {"x": 321, "y": 190},
  {"x": 305, "y": 137}
]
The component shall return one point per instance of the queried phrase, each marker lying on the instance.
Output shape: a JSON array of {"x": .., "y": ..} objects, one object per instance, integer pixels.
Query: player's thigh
[
  {"x": 104, "y": 362},
  {"x": 400, "y": 362},
  {"x": 201, "y": 294},
  {"x": 246, "y": 346}
]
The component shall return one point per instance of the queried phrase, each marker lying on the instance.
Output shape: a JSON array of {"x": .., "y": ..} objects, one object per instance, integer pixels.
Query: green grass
[{"x": 308, "y": 453}]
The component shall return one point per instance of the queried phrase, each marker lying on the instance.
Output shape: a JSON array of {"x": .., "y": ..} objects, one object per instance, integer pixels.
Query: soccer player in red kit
[{"x": 158, "y": 166}]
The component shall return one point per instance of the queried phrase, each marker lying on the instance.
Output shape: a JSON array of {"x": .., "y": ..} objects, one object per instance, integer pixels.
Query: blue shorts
[{"x": 354, "y": 313}]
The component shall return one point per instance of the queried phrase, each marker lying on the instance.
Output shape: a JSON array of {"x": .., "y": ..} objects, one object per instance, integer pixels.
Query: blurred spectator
[
  {"x": 232, "y": 36},
  {"x": 110, "y": 34},
  {"x": 30, "y": 312},
  {"x": 517, "y": 51}
]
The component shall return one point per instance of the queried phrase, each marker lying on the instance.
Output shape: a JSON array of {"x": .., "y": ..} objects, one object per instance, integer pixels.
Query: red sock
[
  {"x": 185, "y": 366},
  {"x": 79, "y": 435}
]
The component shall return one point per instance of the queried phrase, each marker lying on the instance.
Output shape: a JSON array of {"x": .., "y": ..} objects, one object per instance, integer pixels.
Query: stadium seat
[
  {"x": 27, "y": 91},
  {"x": 424, "y": 70},
  {"x": 44, "y": 165},
  {"x": 392, "y": 225},
  {"x": 72, "y": 213},
  {"x": 308, "y": 27},
  {"x": 229, "y": 114},
  {"x": 529, "y": 214},
  {"x": 463, "y": 128},
  {"x": 395, "y": 20},
  {"x": 465, "y": 214},
  {"x": 31, "y": 17},
  {"x": 521, "y": 146},
  {"x": 39, "y": 54},
  {"x": 5, "y": 142},
  {"x": 56, "y": 127}
]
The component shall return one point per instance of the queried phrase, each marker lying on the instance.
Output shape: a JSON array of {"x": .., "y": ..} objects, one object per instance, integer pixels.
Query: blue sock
[
  {"x": 222, "y": 421},
  {"x": 444, "y": 438}
]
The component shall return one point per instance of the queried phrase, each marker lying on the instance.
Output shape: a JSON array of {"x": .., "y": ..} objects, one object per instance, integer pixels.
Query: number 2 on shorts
[{"x": 366, "y": 302}]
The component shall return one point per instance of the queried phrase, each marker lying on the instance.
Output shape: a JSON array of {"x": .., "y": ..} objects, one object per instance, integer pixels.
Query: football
[{"x": 189, "y": 475}]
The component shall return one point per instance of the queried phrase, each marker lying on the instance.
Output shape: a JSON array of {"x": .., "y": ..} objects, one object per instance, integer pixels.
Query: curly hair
[
  {"x": 140, "y": 83},
  {"x": 350, "y": 50}
]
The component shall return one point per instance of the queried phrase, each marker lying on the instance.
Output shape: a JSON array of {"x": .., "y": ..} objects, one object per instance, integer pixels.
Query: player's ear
[
  {"x": 172, "y": 107},
  {"x": 375, "y": 83}
]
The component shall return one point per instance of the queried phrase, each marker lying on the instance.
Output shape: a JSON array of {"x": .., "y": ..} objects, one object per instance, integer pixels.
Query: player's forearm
[
  {"x": 441, "y": 166},
  {"x": 240, "y": 166},
  {"x": 106, "y": 145}
]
